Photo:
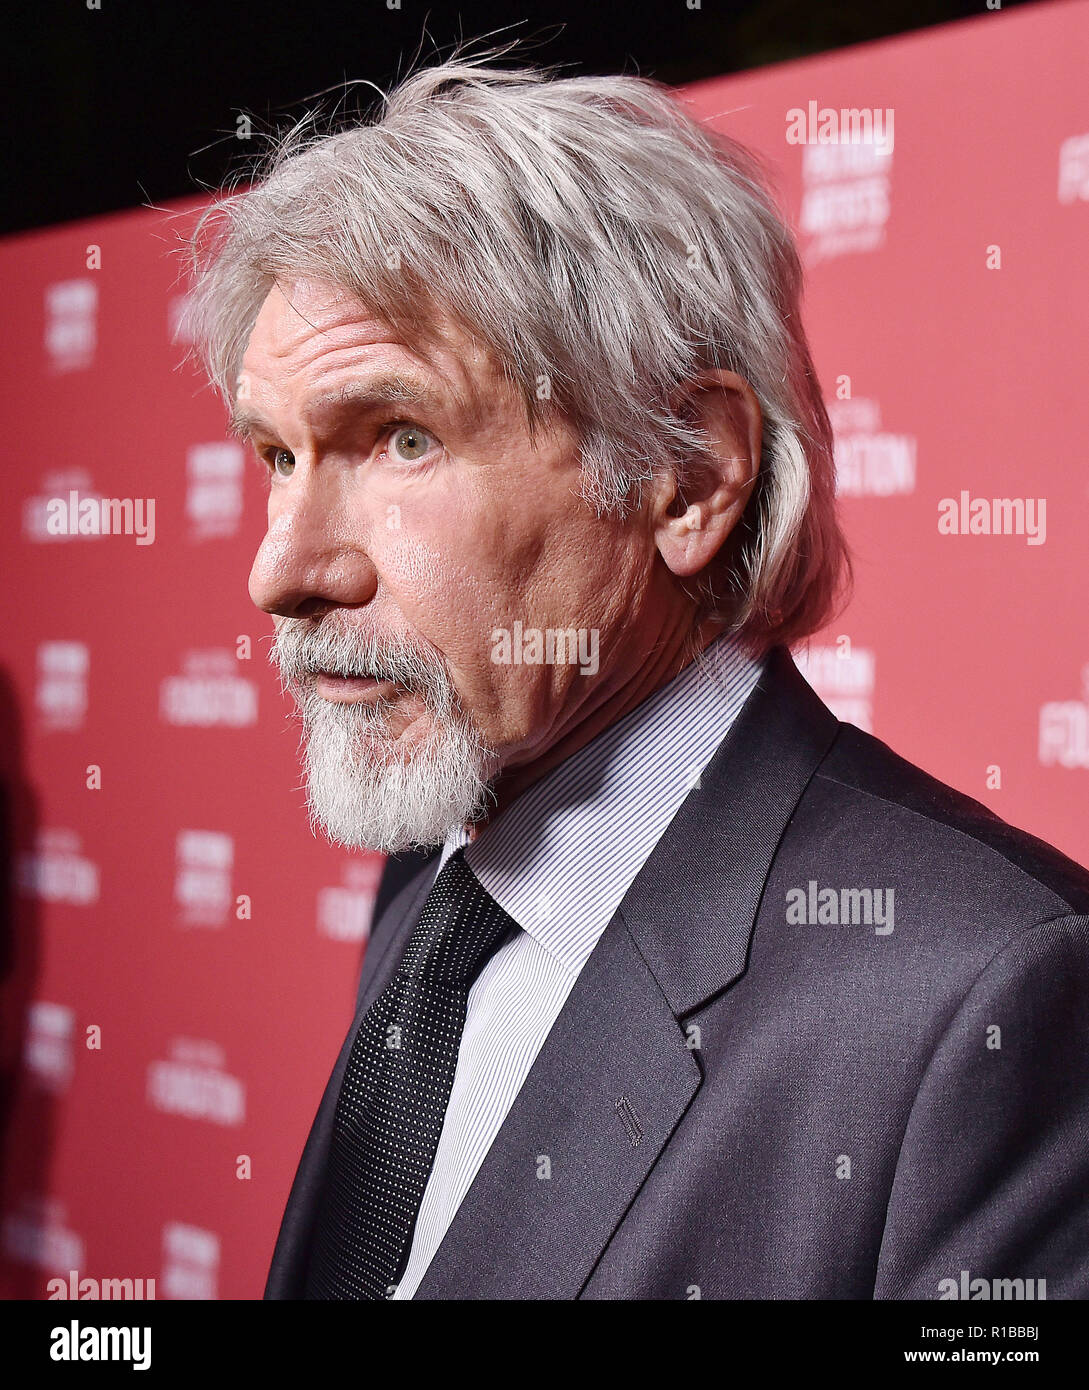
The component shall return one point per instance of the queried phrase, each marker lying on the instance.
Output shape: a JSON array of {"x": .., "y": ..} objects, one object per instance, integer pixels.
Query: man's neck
[{"x": 626, "y": 693}]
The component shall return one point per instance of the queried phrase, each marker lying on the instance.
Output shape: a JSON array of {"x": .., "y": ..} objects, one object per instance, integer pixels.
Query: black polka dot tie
[{"x": 396, "y": 1088}]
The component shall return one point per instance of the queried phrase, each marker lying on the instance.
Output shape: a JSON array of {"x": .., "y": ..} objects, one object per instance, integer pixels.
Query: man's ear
[{"x": 693, "y": 518}]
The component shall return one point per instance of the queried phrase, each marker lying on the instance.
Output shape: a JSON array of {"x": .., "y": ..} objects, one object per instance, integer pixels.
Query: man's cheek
[
  {"x": 443, "y": 589},
  {"x": 409, "y": 564},
  {"x": 468, "y": 530}
]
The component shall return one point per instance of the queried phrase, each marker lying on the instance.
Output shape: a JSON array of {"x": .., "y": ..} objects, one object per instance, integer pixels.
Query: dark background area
[{"x": 137, "y": 101}]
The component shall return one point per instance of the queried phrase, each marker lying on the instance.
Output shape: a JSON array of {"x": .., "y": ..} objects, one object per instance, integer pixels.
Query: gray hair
[{"x": 604, "y": 247}]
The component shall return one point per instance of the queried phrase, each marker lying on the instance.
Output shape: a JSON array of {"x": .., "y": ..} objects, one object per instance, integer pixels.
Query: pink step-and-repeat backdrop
[{"x": 180, "y": 955}]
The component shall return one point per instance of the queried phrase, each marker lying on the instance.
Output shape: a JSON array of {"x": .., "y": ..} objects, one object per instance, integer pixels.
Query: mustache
[{"x": 302, "y": 648}]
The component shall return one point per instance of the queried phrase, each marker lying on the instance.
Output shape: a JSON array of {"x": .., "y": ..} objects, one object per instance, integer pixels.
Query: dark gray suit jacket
[{"x": 738, "y": 1104}]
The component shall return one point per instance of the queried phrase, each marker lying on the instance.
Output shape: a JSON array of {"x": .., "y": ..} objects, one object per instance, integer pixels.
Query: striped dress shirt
[{"x": 559, "y": 860}]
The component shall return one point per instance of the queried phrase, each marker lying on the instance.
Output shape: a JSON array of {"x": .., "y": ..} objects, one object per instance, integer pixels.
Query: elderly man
[{"x": 693, "y": 991}]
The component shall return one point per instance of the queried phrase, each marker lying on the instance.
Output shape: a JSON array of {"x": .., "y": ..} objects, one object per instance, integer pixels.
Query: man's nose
[{"x": 310, "y": 559}]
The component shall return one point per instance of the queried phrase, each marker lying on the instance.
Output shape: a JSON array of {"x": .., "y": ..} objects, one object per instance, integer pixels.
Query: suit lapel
[
  {"x": 692, "y": 907},
  {"x": 604, "y": 1094}
]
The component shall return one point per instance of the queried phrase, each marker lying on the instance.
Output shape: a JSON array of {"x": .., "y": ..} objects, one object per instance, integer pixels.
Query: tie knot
[{"x": 460, "y": 927}]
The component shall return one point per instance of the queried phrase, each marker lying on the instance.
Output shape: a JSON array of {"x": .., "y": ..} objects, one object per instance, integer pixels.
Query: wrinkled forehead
[
  {"x": 320, "y": 315},
  {"x": 310, "y": 332}
]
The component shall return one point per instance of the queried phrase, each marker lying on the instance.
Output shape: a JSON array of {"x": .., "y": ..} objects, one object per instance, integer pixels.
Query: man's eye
[
  {"x": 410, "y": 442},
  {"x": 282, "y": 462}
]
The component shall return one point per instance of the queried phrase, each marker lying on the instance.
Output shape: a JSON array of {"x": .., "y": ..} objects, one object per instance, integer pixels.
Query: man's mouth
[{"x": 353, "y": 689}]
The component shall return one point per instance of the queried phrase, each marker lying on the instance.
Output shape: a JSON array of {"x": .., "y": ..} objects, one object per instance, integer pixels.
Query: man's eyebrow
[{"x": 358, "y": 397}]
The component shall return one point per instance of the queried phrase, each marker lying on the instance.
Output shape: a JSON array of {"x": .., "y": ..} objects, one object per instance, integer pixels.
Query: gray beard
[{"x": 363, "y": 790}]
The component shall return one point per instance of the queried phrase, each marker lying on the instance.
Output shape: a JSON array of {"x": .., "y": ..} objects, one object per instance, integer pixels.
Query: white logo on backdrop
[
  {"x": 61, "y": 692},
  {"x": 190, "y": 1262},
  {"x": 36, "y": 1233},
  {"x": 37, "y": 524},
  {"x": 208, "y": 692},
  {"x": 48, "y": 1048},
  {"x": 1064, "y": 730},
  {"x": 178, "y": 324},
  {"x": 202, "y": 883},
  {"x": 56, "y": 871},
  {"x": 213, "y": 503},
  {"x": 71, "y": 332},
  {"x": 1074, "y": 169},
  {"x": 870, "y": 461},
  {"x": 192, "y": 1082},
  {"x": 344, "y": 912},
  {"x": 846, "y": 198}
]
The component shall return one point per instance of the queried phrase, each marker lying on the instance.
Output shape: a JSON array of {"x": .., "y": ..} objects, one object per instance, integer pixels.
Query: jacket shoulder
[{"x": 949, "y": 828}]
